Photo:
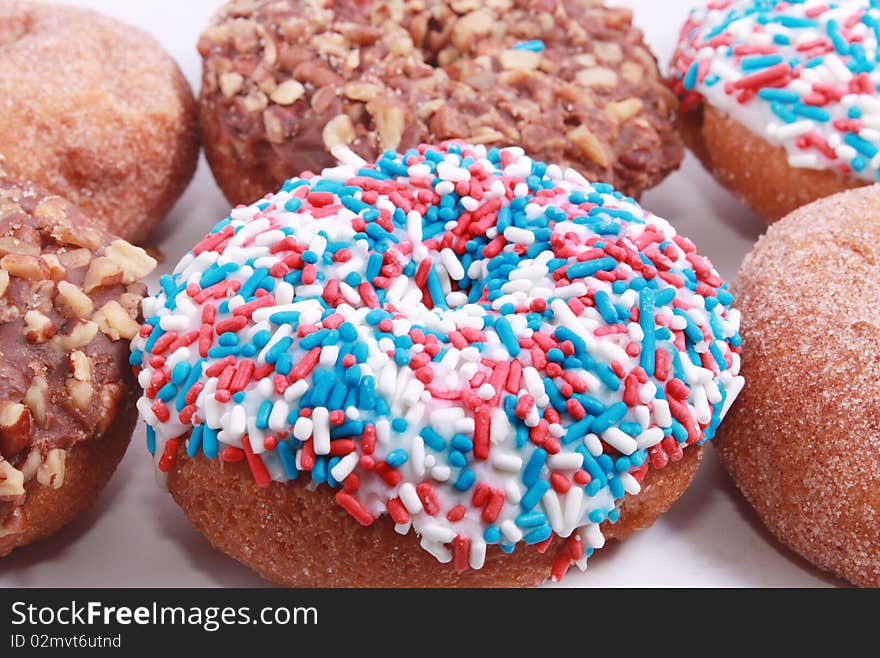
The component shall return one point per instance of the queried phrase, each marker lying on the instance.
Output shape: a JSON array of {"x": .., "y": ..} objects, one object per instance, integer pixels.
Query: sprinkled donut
[
  {"x": 790, "y": 85},
  {"x": 488, "y": 350}
]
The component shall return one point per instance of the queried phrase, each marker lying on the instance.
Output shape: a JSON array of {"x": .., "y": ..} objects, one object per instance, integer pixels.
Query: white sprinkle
[
  {"x": 296, "y": 391},
  {"x": 506, "y": 461},
  {"x": 486, "y": 392},
  {"x": 321, "y": 430},
  {"x": 452, "y": 264},
  {"x": 302, "y": 429},
  {"x": 278, "y": 417},
  {"x": 630, "y": 484},
  {"x": 649, "y": 438},
  {"x": 553, "y": 510},
  {"x": 511, "y": 531},
  {"x": 620, "y": 440},
  {"x": 174, "y": 323},
  {"x": 565, "y": 461},
  {"x": 410, "y": 498},
  {"x": 345, "y": 466},
  {"x": 662, "y": 416},
  {"x": 437, "y": 533},
  {"x": 414, "y": 226},
  {"x": 477, "y": 553},
  {"x": 573, "y": 500},
  {"x": 519, "y": 235},
  {"x": 417, "y": 456}
]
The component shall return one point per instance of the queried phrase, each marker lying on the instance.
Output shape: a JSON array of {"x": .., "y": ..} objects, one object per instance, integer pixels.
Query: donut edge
[
  {"x": 224, "y": 504},
  {"x": 88, "y": 468},
  {"x": 751, "y": 168}
]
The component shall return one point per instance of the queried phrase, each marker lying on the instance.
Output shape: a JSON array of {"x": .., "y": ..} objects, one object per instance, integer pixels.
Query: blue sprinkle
[{"x": 397, "y": 458}]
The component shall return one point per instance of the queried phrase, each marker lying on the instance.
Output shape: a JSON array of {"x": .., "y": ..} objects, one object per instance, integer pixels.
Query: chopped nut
[
  {"x": 134, "y": 261},
  {"x": 131, "y": 302},
  {"x": 31, "y": 464},
  {"x": 52, "y": 209},
  {"x": 485, "y": 135},
  {"x": 589, "y": 145},
  {"x": 56, "y": 270},
  {"x": 81, "y": 236},
  {"x": 15, "y": 427},
  {"x": 632, "y": 72},
  {"x": 596, "y": 77},
  {"x": 4, "y": 282},
  {"x": 51, "y": 471},
  {"x": 339, "y": 130},
  {"x": 331, "y": 44},
  {"x": 273, "y": 125},
  {"x": 25, "y": 267},
  {"x": 427, "y": 109},
  {"x": 400, "y": 44},
  {"x": 38, "y": 327},
  {"x": 608, "y": 51},
  {"x": 230, "y": 84},
  {"x": 81, "y": 334},
  {"x": 11, "y": 481},
  {"x": 470, "y": 27},
  {"x": 80, "y": 366},
  {"x": 287, "y": 93},
  {"x": 10, "y": 245},
  {"x": 256, "y": 101},
  {"x": 389, "y": 119},
  {"x": 362, "y": 91},
  {"x": 37, "y": 399},
  {"x": 623, "y": 111},
  {"x": 115, "y": 321},
  {"x": 75, "y": 258},
  {"x": 103, "y": 271},
  {"x": 80, "y": 392},
  {"x": 73, "y": 302},
  {"x": 519, "y": 59}
]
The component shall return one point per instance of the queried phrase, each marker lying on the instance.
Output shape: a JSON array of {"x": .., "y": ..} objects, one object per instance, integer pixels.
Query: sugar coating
[
  {"x": 94, "y": 110},
  {"x": 489, "y": 349},
  {"x": 802, "y": 440},
  {"x": 803, "y": 75}
]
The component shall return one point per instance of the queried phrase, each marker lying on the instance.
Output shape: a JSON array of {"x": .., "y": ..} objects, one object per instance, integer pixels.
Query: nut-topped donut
[
  {"x": 69, "y": 304},
  {"x": 488, "y": 350},
  {"x": 789, "y": 85},
  {"x": 571, "y": 81}
]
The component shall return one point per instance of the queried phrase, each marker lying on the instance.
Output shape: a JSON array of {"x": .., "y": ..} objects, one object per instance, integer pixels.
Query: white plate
[{"x": 136, "y": 535}]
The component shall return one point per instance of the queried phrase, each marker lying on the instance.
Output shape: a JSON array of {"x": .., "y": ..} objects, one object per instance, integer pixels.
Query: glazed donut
[
  {"x": 802, "y": 442},
  {"x": 571, "y": 81},
  {"x": 69, "y": 304},
  {"x": 96, "y": 111},
  {"x": 779, "y": 100},
  {"x": 486, "y": 349}
]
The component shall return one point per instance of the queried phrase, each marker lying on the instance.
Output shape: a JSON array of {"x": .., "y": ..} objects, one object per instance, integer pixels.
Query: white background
[{"x": 136, "y": 535}]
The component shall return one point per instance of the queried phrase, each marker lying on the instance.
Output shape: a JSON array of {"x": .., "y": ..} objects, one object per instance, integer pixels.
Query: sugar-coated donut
[
  {"x": 487, "y": 349},
  {"x": 779, "y": 100},
  {"x": 96, "y": 111},
  {"x": 571, "y": 81},
  {"x": 69, "y": 304},
  {"x": 802, "y": 441}
]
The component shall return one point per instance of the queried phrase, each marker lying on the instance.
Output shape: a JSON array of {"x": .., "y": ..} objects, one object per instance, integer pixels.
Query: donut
[
  {"x": 801, "y": 443},
  {"x": 69, "y": 305},
  {"x": 571, "y": 81},
  {"x": 467, "y": 347},
  {"x": 779, "y": 100},
  {"x": 95, "y": 111}
]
